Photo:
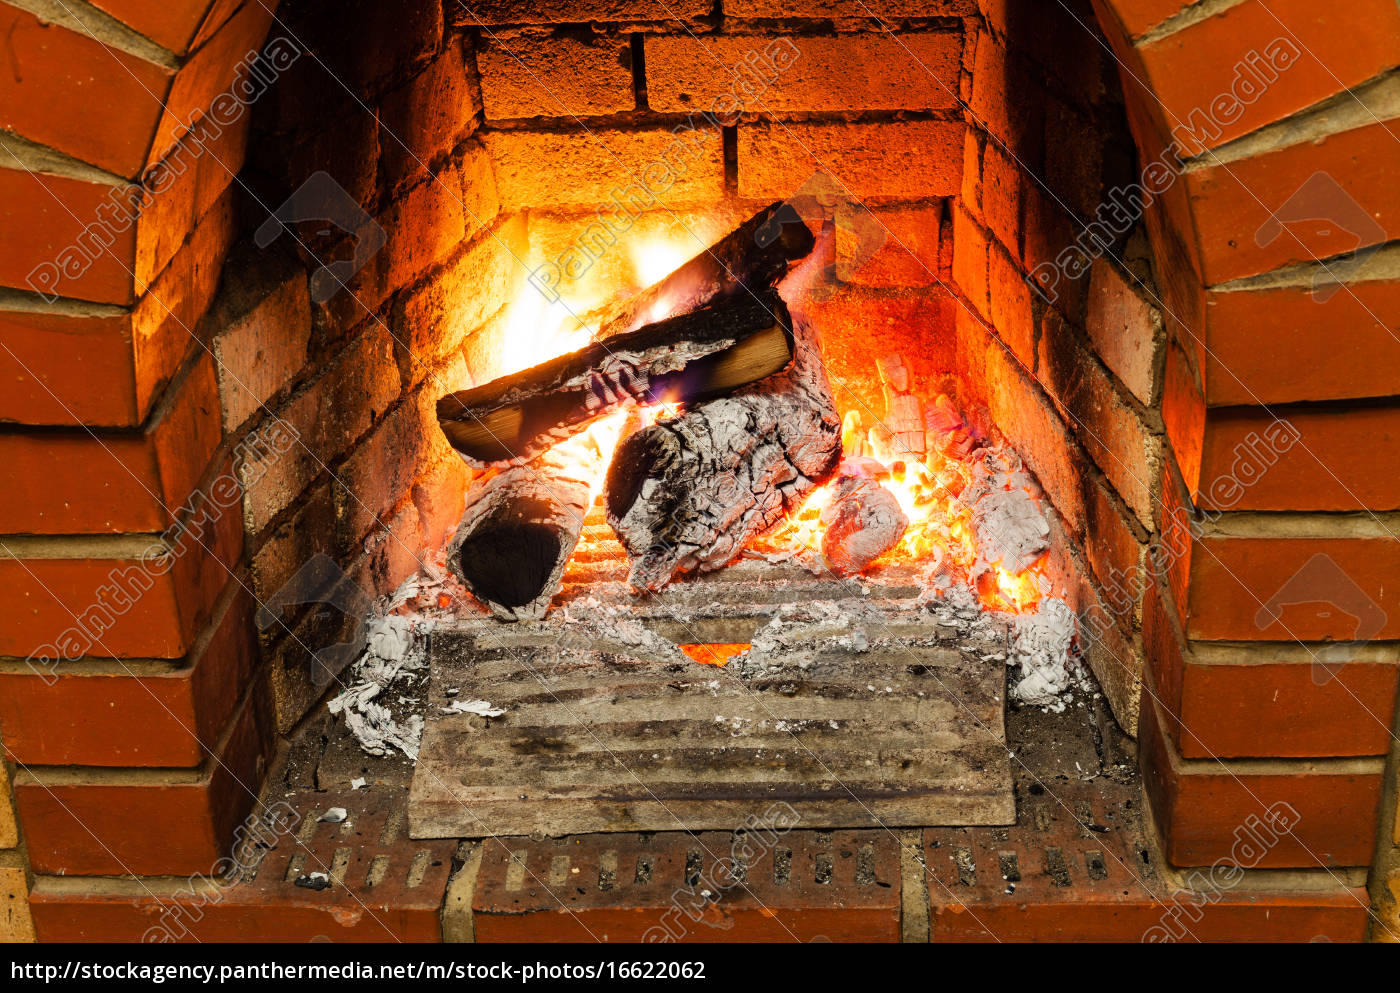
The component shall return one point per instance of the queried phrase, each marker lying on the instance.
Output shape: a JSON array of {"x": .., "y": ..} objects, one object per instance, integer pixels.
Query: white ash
[
  {"x": 1011, "y": 528},
  {"x": 481, "y": 708},
  {"x": 396, "y": 655},
  {"x": 598, "y": 621},
  {"x": 1040, "y": 653}
]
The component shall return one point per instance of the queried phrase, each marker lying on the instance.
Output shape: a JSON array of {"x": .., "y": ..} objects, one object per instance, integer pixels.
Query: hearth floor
[
  {"x": 1078, "y": 864},
  {"x": 843, "y": 714}
]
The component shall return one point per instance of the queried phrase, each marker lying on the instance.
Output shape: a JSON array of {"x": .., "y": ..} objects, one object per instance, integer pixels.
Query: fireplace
[{"x": 1032, "y": 293}]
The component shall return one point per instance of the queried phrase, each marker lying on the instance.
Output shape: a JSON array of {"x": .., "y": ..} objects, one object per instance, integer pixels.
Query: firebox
[{"x": 625, "y": 418}]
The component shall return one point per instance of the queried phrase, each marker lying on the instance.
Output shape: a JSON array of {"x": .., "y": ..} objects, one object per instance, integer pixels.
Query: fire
[
  {"x": 534, "y": 330},
  {"x": 919, "y": 453},
  {"x": 940, "y": 531}
]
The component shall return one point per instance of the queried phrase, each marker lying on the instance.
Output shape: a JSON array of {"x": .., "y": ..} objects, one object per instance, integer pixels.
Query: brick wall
[{"x": 251, "y": 423}]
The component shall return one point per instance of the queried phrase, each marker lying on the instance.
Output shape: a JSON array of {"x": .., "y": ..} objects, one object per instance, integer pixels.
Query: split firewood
[
  {"x": 862, "y": 521},
  {"x": 517, "y": 533},
  {"x": 749, "y": 259},
  {"x": 687, "y": 494},
  {"x": 685, "y": 358}
]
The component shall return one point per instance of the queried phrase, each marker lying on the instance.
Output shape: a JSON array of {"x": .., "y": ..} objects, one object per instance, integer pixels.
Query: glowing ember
[
  {"x": 716, "y": 655},
  {"x": 941, "y": 529}
]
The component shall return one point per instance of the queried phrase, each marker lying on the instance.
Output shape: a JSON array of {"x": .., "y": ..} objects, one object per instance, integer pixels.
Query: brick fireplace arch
[{"x": 1282, "y": 169}]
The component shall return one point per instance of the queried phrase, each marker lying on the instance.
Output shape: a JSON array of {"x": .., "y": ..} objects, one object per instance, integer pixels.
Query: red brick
[
  {"x": 898, "y": 159},
  {"x": 1206, "y": 810},
  {"x": 1353, "y": 206},
  {"x": 764, "y": 74},
  {"x": 141, "y": 715},
  {"x": 999, "y": 80},
  {"x": 1298, "y": 708},
  {"x": 1137, "y": 16},
  {"x": 1114, "y": 551},
  {"x": 579, "y": 11},
  {"x": 1336, "y": 47},
  {"x": 1177, "y": 528},
  {"x": 1287, "y": 701},
  {"x": 80, "y": 824},
  {"x": 1048, "y": 234},
  {"x": 426, "y": 117},
  {"x": 1281, "y": 344},
  {"x": 1234, "y": 577},
  {"x": 1074, "y": 150},
  {"x": 1021, "y": 411},
  {"x": 1001, "y": 193},
  {"x": 1244, "y": 917},
  {"x": 907, "y": 256},
  {"x": 970, "y": 260},
  {"x": 560, "y": 76},
  {"x": 1331, "y": 459},
  {"x": 97, "y": 103},
  {"x": 918, "y": 326},
  {"x": 132, "y": 352},
  {"x": 1012, "y": 311},
  {"x": 76, "y": 482},
  {"x": 1064, "y": 41},
  {"x": 209, "y": 72},
  {"x": 51, "y": 358},
  {"x": 67, "y": 911},
  {"x": 1125, "y": 327},
  {"x": 1165, "y": 648},
  {"x": 1183, "y": 414},
  {"x": 590, "y": 168},
  {"x": 848, "y": 8},
  {"x": 9, "y": 830},
  {"x": 44, "y": 215},
  {"x": 1110, "y": 429},
  {"x": 361, "y": 383},
  {"x": 174, "y": 26},
  {"x": 54, "y": 589},
  {"x": 262, "y": 322}
]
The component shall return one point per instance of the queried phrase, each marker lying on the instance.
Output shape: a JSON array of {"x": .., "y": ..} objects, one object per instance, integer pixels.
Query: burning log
[
  {"x": 517, "y": 533},
  {"x": 863, "y": 521},
  {"x": 689, "y": 357},
  {"x": 688, "y": 493},
  {"x": 749, "y": 259}
]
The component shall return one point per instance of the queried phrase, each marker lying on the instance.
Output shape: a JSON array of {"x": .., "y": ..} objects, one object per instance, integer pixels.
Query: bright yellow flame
[
  {"x": 657, "y": 257},
  {"x": 535, "y": 330}
]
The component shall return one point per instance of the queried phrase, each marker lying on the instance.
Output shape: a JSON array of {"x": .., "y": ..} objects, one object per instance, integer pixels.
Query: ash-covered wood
[
  {"x": 684, "y": 358},
  {"x": 746, "y": 261},
  {"x": 863, "y": 521},
  {"x": 517, "y": 533},
  {"x": 688, "y": 493}
]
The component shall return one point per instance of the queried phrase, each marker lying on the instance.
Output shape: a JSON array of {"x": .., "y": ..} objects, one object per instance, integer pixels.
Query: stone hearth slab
[{"x": 844, "y": 715}]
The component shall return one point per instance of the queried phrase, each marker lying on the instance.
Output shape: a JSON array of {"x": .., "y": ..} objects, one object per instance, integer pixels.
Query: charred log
[
  {"x": 517, "y": 533},
  {"x": 688, "y": 493},
  {"x": 748, "y": 260},
  {"x": 686, "y": 358}
]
